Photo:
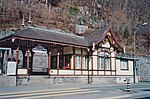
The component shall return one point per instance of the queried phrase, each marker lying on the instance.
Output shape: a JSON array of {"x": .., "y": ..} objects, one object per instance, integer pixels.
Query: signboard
[
  {"x": 39, "y": 49},
  {"x": 11, "y": 68}
]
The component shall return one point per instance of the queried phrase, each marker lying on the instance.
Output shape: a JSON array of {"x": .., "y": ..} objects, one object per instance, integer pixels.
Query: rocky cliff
[{"x": 124, "y": 16}]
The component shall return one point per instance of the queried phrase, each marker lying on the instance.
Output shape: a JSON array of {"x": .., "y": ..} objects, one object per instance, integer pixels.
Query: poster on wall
[{"x": 11, "y": 68}]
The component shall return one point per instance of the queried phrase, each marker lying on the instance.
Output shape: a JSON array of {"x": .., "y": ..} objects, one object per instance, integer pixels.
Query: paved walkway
[
  {"x": 61, "y": 86},
  {"x": 106, "y": 91}
]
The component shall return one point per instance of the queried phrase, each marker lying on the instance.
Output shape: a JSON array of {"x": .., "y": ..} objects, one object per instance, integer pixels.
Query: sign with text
[
  {"x": 39, "y": 49},
  {"x": 11, "y": 68}
]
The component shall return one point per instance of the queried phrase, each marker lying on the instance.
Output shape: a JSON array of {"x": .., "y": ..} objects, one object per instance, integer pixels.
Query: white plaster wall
[
  {"x": 94, "y": 72},
  {"x": 78, "y": 72},
  {"x": 113, "y": 73},
  {"x": 124, "y": 79},
  {"x": 107, "y": 72},
  {"x": 95, "y": 62},
  {"x": 85, "y": 72},
  {"x": 113, "y": 63},
  {"x": 95, "y": 52},
  {"x": 90, "y": 63},
  {"x": 113, "y": 54},
  {"x": 124, "y": 72},
  {"x": 72, "y": 62},
  {"x": 101, "y": 72},
  {"x": 106, "y": 45}
]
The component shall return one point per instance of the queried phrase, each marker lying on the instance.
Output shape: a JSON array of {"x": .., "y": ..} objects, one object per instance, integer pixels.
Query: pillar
[
  {"x": 17, "y": 55},
  {"x": 7, "y": 55},
  {"x": 49, "y": 61},
  {"x": 23, "y": 52},
  {"x": 12, "y": 54},
  {"x": 28, "y": 56},
  {"x": 3, "y": 52},
  {"x": 31, "y": 63},
  {"x": 74, "y": 59},
  {"x": 58, "y": 54}
]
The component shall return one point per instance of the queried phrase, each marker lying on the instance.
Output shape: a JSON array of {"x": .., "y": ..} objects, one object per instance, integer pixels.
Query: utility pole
[{"x": 134, "y": 50}]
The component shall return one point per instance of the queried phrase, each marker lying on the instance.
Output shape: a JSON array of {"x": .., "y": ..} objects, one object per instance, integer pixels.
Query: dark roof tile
[
  {"x": 53, "y": 36},
  {"x": 95, "y": 36}
]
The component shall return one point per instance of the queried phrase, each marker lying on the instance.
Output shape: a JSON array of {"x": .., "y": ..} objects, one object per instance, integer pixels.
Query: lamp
[
  {"x": 13, "y": 40},
  {"x": 134, "y": 62}
]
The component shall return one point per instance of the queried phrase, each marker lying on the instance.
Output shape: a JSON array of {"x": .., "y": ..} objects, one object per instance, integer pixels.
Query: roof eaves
[{"x": 49, "y": 41}]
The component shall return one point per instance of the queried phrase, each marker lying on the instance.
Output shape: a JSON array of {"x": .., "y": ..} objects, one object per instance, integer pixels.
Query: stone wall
[
  {"x": 7, "y": 80},
  {"x": 144, "y": 68},
  {"x": 40, "y": 62},
  {"x": 49, "y": 80}
]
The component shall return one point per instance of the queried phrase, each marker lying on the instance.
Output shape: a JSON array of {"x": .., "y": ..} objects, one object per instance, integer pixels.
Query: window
[
  {"x": 67, "y": 61},
  {"x": 54, "y": 62},
  {"x": 124, "y": 64},
  {"x": 84, "y": 62},
  {"x": 78, "y": 62},
  {"x": 100, "y": 63},
  {"x": 104, "y": 61},
  {"x": 107, "y": 61},
  {"x": 61, "y": 62}
]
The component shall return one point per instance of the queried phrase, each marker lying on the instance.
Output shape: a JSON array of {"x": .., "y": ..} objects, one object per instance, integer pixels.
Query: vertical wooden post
[
  {"x": 49, "y": 61},
  {"x": 88, "y": 66},
  {"x": 58, "y": 54},
  {"x": 23, "y": 52},
  {"x": 12, "y": 54},
  {"x": 7, "y": 55},
  {"x": 28, "y": 51},
  {"x": 81, "y": 61},
  {"x": 110, "y": 65},
  {"x": 3, "y": 52},
  {"x": 92, "y": 65},
  {"x": 74, "y": 59},
  {"x": 115, "y": 64},
  {"x": 17, "y": 55}
]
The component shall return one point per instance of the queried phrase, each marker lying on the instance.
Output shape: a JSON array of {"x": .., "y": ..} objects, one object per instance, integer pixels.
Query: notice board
[{"x": 11, "y": 68}]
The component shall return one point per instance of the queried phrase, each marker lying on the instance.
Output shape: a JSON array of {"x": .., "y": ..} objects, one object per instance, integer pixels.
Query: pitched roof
[
  {"x": 99, "y": 35},
  {"x": 86, "y": 40},
  {"x": 95, "y": 36},
  {"x": 51, "y": 36}
]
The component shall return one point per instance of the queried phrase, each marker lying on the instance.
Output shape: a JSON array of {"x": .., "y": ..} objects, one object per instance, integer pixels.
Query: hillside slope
[{"x": 124, "y": 16}]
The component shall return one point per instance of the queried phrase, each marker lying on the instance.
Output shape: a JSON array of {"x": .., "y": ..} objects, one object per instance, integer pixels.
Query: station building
[{"x": 58, "y": 57}]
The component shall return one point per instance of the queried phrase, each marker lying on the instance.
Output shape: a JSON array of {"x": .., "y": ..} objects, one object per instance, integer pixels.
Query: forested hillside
[{"x": 124, "y": 16}]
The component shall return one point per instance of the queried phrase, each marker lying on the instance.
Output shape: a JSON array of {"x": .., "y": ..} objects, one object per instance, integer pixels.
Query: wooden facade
[{"x": 69, "y": 55}]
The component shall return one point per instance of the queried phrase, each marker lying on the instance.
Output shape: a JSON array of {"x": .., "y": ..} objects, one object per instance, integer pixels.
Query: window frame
[
  {"x": 79, "y": 63},
  {"x": 84, "y": 64},
  {"x": 67, "y": 61},
  {"x": 105, "y": 55},
  {"x": 122, "y": 65},
  {"x": 54, "y": 62},
  {"x": 100, "y": 63}
]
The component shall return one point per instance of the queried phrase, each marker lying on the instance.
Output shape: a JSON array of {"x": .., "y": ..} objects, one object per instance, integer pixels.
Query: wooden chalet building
[{"x": 61, "y": 56}]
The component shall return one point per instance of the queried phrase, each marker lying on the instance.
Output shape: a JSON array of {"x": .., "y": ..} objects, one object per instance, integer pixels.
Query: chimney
[
  {"x": 29, "y": 22},
  {"x": 22, "y": 24},
  {"x": 124, "y": 49}
]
